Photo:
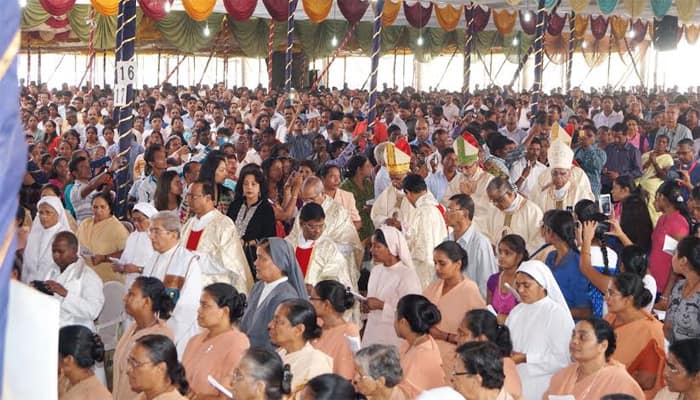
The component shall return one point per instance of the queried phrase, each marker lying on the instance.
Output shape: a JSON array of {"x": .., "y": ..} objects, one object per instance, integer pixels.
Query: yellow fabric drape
[
  {"x": 692, "y": 32},
  {"x": 580, "y": 26},
  {"x": 391, "y": 11},
  {"x": 686, "y": 10},
  {"x": 199, "y": 10},
  {"x": 634, "y": 8},
  {"x": 596, "y": 51},
  {"x": 556, "y": 47},
  {"x": 619, "y": 26},
  {"x": 448, "y": 17},
  {"x": 148, "y": 30},
  {"x": 317, "y": 10},
  {"x": 107, "y": 8},
  {"x": 579, "y": 6},
  {"x": 504, "y": 20}
]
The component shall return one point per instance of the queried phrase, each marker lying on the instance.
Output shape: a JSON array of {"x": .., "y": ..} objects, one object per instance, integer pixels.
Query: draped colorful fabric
[
  {"x": 639, "y": 28},
  {"x": 528, "y": 25},
  {"x": 480, "y": 17},
  {"x": 599, "y": 26},
  {"x": 504, "y": 21},
  {"x": 548, "y": 4},
  {"x": 447, "y": 16},
  {"x": 513, "y": 3},
  {"x": 634, "y": 7},
  {"x": 187, "y": 34},
  {"x": 57, "y": 7},
  {"x": 596, "y": 52},
  {"x": 391, "y": 12},
  {"x": 665, "y": 35},
  {"x": 107, "y": 8},
  {"x": 240, "y": 10},
  {"x": 278, "y": 9},
  {"x": 580, "y": 26},
  {"x": 153, "y": 9},
  {"x": 619, "y": 26},
  {"x": 556, "y": 24},
  {"x": 57, "y": 22},
  {"x": 317, "y": 10},
  {"x": 686, "y": 10},
  {"x": 660, "y": 7},
  {"x": 352, "y": 10},
  {"x": 556, "y": 47},
  {"x": 692, "y": 32},
  {"x": 607, "y": 6},
  {"x": 579, "y": 6},
  {"x": 199, "y": 10},
  {"x": 416, "y": 15}
]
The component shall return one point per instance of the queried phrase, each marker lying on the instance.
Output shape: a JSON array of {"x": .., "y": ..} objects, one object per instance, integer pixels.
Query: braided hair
[{"x": 587, "y": 210}]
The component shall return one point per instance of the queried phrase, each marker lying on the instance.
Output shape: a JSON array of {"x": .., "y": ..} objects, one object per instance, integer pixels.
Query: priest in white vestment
[
  {"x": 37, "y": 262},
  {"x": 381, "y": 179},
  {"x": 389, "y": 206},
  {"x": 472, "y": 179},
  {"x": 338, "y": 227},
  {"x": 562, "y": 192},
  {"x": 510, "y": 212},
  {"x": 179, "y": 270},
  {"x": 425, "y": 228},
  {"x": 78, "y": 287},
  {"x": 540, "y": 328},
  {"x": 214, "y": 238}
]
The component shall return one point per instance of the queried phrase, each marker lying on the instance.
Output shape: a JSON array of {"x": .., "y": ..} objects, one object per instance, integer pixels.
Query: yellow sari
[
  {"x": 102, "y": 238},
  {"x": 649, "y": 182}
]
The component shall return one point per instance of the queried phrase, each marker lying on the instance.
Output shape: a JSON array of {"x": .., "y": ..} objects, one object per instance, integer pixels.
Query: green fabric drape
[
  {"x": 105, "y": 27},
  {"x": 390, "y": 37},
  {"x": 315, "y": 39},
  {"x": 33, "y": 15},
  {"x": 434, "y": 41},
  {"x": 252, "y": 35},
  {"x": 187, "y": 34}
]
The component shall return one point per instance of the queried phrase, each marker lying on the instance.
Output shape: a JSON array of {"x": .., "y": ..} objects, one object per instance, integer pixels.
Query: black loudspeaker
[
  {"x": 299, "y": 70},
  {"x": 665, "y": 33}
]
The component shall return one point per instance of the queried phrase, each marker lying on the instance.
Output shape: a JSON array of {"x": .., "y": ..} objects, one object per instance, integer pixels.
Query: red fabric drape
[
  {"x": 153, "y": 9},
  {"x": 57, "y": 22},
  {"x": 417, "y": 15},
  {"x": 480, "y": 17},
  {"x": 556, "y": 24},
  {"x": 57, "y": 7},
  {"x": 278, "y": 9},
  {"x": 240, "y": 10},
  {"x": 352, "y": 10},
  {"x": 529, "y": 25},
  {"x": 599, "y": 26}
]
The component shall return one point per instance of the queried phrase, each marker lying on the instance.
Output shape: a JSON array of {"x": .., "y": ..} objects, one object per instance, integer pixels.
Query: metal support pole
[
  {"x": 376, "y": 43},
  {"x": 572, "y": 46},
  {"x": 539, "y": 54},
  {"x": 292, "y": 6},
  {"x": 468, "y": 48}
]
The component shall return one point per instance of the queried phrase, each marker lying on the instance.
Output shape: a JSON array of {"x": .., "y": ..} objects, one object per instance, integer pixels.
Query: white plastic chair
[{"x": 110, "y": 319}]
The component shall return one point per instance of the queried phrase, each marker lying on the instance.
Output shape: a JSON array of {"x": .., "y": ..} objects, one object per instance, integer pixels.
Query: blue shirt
[{"x": 573, "y": 285}]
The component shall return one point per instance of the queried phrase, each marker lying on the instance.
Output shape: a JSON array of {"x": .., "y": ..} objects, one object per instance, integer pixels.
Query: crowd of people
[{"x": 280, "y": 245}]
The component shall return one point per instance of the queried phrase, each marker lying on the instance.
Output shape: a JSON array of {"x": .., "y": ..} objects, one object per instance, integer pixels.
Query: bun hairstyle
[
  {"x": 267, "y": 367},
  {"x": 226, "y": 295},
  {"x": 331, "y": 387},
  {"x": 80, "y": 342},
  {"x": 420, "y": 313},
  {"x": 482, "y": 322},
  {"x": 454, "y": 252},
  {"x": 301, "y": 312},
  {"x": 336, "y": 294},
  {"x": 162, "y": 350},
  {"x": 635, "y": 260},
  {"x": 630, "y": 284},
  {"x": 153, "y": 288}
]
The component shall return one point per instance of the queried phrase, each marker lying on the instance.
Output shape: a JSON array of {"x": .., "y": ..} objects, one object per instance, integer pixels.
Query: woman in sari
[
  {"x": 102, "y": 237},
  {"x": 38, "y": 261},
  {"x": 357, "y": 181},
  {"x": 655, "y": 166}
]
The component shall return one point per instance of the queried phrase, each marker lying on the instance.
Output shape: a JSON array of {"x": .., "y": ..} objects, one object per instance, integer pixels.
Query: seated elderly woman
[
  {"x": 154, "y": 371},
  {"x": 138, "y": 249},
  {"x": 682, "y": 373},
  {"x": 79, "y": 349},
  {"x": 261, "y": 375},
  {"x": 38, "y": 261},
  {"x": 479, "y": 373},
  {"x": 379, "y": 373},
  {"x": 102, "y": 237},
  {"x": 593, "y": 373}
]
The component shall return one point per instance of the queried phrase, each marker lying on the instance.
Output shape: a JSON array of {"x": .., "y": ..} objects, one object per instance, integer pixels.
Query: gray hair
[
  {"x": 499, "y": 183},
  {"x": 169, "y": 220},
  {"x": 379, "y": 361},
  {"x": 313, "y": 182}
]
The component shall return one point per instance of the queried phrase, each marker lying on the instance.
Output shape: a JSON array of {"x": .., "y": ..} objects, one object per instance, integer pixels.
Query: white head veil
[
  {"x": 397, "y": 244},
  {"x": 38, "y": 260},
  {"x": 541, "y": 273}
]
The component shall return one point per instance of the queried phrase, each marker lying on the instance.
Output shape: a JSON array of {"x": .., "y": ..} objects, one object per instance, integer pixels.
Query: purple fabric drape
[
  {"x": 480, "y": 17},
  {"x": 599, "y": 26},
  {"x": 278, "y": 9},
  {"x": 57, "y": 7},
  {"x": 353, "y": 10},
  {"x": 639, "y": 28},
  {"x": 529, "y": 25},
  {"x": 417, "y": 15},
  {"x": 154, "y": 9},
  {"x": 240, "y": 10},
  {"x": 556, "y": 24}
]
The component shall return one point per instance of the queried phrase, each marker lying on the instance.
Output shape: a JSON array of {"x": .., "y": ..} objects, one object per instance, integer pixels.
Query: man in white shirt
[
  {"x": 525, "y": 172},
  {"x": 438, "y": 181},
  {"x": 450, "y": 110},
  {"x": 481, "y": 263},
  {"x": 392, "y": 119},
  {"x": 511, "y": 129},
  {"x": 78, "y": 288},
  {"x": 607, "y": 117}
]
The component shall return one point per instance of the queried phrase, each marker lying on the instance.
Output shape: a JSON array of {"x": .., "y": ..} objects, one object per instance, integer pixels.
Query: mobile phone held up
[{"x": 605, "y": 203}]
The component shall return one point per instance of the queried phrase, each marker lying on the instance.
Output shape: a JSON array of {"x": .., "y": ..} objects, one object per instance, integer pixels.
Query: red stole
[
  {"x": 303, "y": 257},
  {"x": 193, "y": 240}
]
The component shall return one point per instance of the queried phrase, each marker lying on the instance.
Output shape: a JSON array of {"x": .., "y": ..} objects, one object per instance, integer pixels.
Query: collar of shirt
[
  {"x": 466, "y": 236},
  {"x": 561, "y": 193},
  {"x": 515, "y": 204},
  {"x": 268, "y": 287},
  {"x": 201, "y": 223}
]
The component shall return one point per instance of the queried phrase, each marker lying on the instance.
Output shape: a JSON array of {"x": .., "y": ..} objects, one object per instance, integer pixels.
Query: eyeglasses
[
  {"x": 315, "y": 298},
  {"x": 134, "y": 363},
  {"x": 156, "y": 231},
  {"x": 463, "y": 373},
  {"x": 193, "y": 196},
  {"x": 499, "y": 199},
  {"x": 451, "y": 210},
  {"x": 559, "y": 173}
]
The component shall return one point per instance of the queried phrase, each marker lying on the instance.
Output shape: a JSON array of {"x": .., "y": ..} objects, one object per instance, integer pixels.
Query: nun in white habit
[
  {"x": 38, "y": 261},
  {"x": 540, "y": 328},
  {"x": 138, "y": 249}
]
